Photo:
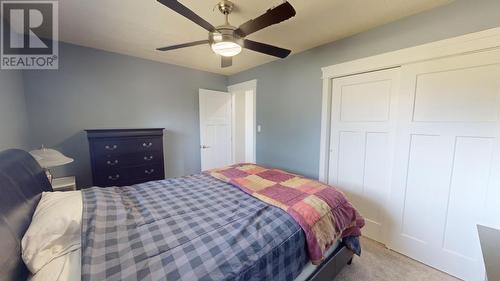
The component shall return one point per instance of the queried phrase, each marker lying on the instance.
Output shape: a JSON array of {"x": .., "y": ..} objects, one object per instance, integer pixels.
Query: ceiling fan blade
[
  {"x": 272, "y": 16},
  {"x": 226, "y": 61},
  {"x": 183, "y": 10},
  {"x": 266, "y": 49},
  {"x": 190, "y": 44}
]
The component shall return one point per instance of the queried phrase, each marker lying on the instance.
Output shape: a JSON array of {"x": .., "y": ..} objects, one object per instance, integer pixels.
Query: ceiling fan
[{"x": 227, "y": 40}]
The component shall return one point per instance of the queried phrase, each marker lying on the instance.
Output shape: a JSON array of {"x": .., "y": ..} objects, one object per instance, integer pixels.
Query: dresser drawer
[
  {"x": 148, "y": 173},
  {"x": 125, "y": 145},
  {"x": 111, "y": 178},
  {"x": 126, "y": 159},
  {"x": 128, "y": 175}
]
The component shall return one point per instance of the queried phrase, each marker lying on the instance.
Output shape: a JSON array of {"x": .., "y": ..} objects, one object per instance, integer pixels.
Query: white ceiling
[{"x": 137, "y": 28}]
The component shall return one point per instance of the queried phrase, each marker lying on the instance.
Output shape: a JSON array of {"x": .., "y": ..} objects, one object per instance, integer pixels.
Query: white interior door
[
  {"x": 447, "y": 151},
  {"x": 215, "y": 129},
  {"x": 361, "y": 149}
]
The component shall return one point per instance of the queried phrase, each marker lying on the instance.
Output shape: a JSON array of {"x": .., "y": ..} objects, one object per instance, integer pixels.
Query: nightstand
[{"x": 64, "y": 184}]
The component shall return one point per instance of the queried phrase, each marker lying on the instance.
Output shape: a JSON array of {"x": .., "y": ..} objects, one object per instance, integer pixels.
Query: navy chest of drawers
[{"x": 121, "y": 157}]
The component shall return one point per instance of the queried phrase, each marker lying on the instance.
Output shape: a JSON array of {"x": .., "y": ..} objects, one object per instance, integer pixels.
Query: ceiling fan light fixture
[
  {"x": 226, "y": 48},
  {"x": 227, "y": 40}
]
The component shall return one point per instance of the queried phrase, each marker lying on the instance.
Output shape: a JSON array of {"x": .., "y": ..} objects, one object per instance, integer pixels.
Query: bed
[{"x": 190, "y": 228}]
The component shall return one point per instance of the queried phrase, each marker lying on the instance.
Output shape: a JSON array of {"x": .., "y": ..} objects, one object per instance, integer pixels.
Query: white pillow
[
  {"x": 55, "y": 229},
  {"x": 63, "y": 268}
]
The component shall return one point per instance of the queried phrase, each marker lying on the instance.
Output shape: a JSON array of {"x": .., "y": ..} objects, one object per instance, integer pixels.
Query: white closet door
[
  {"x": 447, "y": 148},
  {"x": 362, "y": 133}
]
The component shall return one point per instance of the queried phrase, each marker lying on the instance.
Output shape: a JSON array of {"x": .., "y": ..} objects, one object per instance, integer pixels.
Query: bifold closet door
[
  {"x": 446, "y": 177},
  {"x": 361, "y": 148}
]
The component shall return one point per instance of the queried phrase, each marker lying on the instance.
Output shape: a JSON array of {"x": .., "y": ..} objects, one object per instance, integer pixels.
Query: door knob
[{"x": 204, "y": 146}]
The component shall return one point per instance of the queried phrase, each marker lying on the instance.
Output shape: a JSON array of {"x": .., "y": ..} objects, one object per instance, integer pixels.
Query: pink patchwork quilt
[{"x": 322, "y": 211}]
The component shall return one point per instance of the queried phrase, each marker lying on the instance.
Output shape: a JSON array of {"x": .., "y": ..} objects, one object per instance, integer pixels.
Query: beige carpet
[{"x": 377, "y": 263}]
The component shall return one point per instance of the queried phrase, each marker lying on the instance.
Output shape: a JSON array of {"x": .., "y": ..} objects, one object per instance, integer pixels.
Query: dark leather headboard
[{"x": 21, "y": 183}]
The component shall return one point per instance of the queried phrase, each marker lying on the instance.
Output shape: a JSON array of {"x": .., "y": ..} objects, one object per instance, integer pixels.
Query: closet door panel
[
  {"x": 428, "y": 173},
  {"x": 365, "y": 102},
  {"x": 468, "y": 187},
  {"x": 351, "y": 161},
  {"x": 363, "y": 111},
  {"x": 447, "y": 97},
  {"x": 447, "y": 147},
  {"x": 376, "y": 167}
]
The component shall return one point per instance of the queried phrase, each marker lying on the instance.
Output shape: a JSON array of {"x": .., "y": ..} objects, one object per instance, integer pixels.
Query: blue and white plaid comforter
[{"x": 190, "y": 228}]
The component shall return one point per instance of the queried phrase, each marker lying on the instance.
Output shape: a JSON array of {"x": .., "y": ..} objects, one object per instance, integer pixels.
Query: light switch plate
[{"x": 259, "y": 128}]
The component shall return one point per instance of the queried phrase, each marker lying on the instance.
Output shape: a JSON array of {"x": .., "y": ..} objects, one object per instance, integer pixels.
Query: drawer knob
[
  {"x": 112, "y": 163},
  {"x": 113, "y": 178},
  {"x": 149, "y": 172},
  {"x": 111, "y": 147},
  {"x": 148, "y": 158},
  {"x": 149, "y": 144}
]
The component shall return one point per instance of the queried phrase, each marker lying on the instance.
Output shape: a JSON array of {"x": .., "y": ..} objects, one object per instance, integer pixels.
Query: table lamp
[{"x": 49, "y": 158}]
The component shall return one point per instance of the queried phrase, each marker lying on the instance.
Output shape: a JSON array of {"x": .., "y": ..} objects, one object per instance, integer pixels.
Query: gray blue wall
[
  {"x": 289, "y": 91},
  {"x": 96, "y": 89},
  {"x": 13, "y": 118}
]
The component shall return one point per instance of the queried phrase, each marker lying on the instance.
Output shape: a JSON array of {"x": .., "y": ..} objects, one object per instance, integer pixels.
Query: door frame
[
  {"x": 469, "y": 43},
  {"x": 237, "y": 89}
]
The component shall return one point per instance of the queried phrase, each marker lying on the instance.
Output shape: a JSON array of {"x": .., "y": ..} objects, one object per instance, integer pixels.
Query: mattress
[
  {"x": 68, "y": 267},
  {"x": 189, "y": 228},
  {"x": 310, "y": 268}
]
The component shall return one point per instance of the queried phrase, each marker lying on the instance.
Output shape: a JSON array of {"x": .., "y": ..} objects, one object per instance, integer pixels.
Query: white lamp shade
[
  {"x": 226, "y": 48},
  {"x": 48, "y": 158}
]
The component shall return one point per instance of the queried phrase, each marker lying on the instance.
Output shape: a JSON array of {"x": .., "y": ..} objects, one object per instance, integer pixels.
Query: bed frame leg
[{"x": 349, "y": 262}]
